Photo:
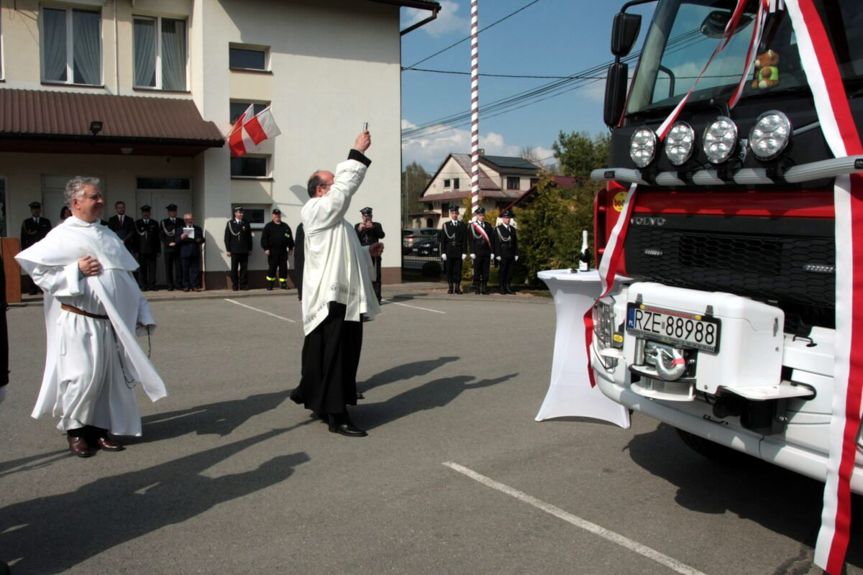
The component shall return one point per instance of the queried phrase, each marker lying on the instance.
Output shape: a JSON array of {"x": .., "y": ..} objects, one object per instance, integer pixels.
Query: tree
[
  {"x": 578, "y": 154},
  {"x": 414, "y": 181}
]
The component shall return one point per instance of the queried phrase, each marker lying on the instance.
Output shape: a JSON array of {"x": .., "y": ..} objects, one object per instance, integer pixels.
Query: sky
[{"x": 552, "y": 38}]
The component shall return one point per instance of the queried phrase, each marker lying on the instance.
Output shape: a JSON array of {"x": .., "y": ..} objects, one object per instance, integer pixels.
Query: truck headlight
[
  {"x": 642, "y": 147},
  {"x": 603, "y": 324},
  {"x": 679, "y": 143},
  {"x": 770, "y": 134},
  {"x": 719, "y": 140}
]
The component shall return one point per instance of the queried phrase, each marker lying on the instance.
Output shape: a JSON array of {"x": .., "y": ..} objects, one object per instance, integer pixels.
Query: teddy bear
[{"x": 766, "y": 70}]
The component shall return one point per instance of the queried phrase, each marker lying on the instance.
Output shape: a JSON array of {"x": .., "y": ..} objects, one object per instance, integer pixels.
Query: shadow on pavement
[
  {"x": 32, "y": 462},
  {"x": 777, "y": 499},
  {"x": 220, "y": 418},
  {"x": 52, "y": 534},
  {"x": 435, "y": 393},
  {"x": 406, "y": 371}
]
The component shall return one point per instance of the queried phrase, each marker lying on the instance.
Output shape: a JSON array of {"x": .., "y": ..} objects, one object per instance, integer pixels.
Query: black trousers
[
  {"x": 480, "y": 269},
  {"x": 280, "y": 261},
  {"x": 376, "y": 281},
  {"x": 331, "y": 357},
  {"x": 190, "y": 271},
  {"x": 172, "y": 269},
  {"x": 505, "y": 272},
  {"x": 239, "y": 271},
  {"x": 147, "y": 270},
  {"x": 453, "y": 267}
]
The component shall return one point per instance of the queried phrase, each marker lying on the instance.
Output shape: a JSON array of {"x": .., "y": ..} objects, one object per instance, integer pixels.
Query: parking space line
[
  {"x": 598, "y": 530},
  {"x": 260, "y": 310},
  {"x": 417, "y": 307}
]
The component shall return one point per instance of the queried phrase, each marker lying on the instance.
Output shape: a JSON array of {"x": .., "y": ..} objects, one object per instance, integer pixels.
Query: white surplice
[
  {"x": 91, "y": 364},
  {"x": 337, "y": 268}
]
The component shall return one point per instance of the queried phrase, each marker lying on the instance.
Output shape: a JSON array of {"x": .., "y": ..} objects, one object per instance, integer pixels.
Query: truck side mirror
[
  {"x": 624, "y": 33},
  {"x": 615, "y": 93}
]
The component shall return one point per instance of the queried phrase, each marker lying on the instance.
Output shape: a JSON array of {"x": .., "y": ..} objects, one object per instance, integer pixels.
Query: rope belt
[{"x": 73, "y": 309}]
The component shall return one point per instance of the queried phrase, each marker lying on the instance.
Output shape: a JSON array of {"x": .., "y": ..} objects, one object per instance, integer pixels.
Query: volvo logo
[{"x": 655, "y": 221}]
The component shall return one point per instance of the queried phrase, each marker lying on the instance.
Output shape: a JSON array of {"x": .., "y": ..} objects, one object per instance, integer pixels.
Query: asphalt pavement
[{"x": 454, "y": 477}]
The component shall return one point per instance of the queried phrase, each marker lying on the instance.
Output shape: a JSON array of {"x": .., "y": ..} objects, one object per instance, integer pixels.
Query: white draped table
[{"x": 569, "y": 393}]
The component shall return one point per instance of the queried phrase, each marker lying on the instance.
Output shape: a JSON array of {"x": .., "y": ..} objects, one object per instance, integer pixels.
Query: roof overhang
[{"x": 52, "y": 121}]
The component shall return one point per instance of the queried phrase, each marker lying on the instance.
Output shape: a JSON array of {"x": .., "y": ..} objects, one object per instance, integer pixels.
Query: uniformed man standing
[
  {"x": 481, "y": 245},
  {"x": 506, "y": 250},
  {"x": 371, "y": 232},
  {"x": 238, "y": 244},
  {"x": 170, "y": 230},
  {"x": 34, "y": 229},
  {"x": 277, "y": 242},
  {"x": 453, "y": 244},
  {"x": 148, "y": 249},
  {"x": 124, "y": 226}
]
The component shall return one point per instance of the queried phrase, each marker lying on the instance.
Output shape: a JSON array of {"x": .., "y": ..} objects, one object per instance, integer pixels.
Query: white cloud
[
  {"x": 431, "y": 149},
  {"x": 447, "y": 21}
]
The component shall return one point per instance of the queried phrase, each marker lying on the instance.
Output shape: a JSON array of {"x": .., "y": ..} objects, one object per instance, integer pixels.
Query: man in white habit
[
  {"x": 93, "y": 308},
  {"x": 337, "y": 293}
]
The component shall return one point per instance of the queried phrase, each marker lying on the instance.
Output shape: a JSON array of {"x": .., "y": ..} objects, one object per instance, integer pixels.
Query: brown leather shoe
[
  {"x": 78, "y": 446},
  {"x": 109, "y": 444}
]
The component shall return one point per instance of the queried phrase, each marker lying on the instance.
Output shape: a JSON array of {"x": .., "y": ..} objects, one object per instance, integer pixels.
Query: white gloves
[
  {"x": 498, "y": 258},
  {"x": 473, "y": 256},
  {"x": 443, "y": 257},
  {"x": 463, "y": 257},
  {"x": 516, "y": 258}
]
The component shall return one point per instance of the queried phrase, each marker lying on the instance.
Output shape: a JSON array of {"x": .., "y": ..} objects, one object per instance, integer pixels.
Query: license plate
[{"x": 674, "y": 327}]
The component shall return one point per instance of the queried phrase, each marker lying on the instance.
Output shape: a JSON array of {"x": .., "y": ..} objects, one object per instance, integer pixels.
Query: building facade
[
  {"x": 502, "y": 180},
  {"x": 141, "y": 94}
]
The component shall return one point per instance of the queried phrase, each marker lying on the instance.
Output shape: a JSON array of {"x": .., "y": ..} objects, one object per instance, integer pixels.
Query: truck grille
[{"x": 788, "y": 261}]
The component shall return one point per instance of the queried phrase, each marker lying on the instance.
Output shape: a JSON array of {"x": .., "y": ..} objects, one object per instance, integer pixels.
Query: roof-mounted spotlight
[{"x": 720, "y": 139}]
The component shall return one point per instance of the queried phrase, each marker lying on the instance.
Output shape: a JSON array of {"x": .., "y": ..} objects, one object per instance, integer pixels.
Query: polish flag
[{"x": 250, "y": 130}]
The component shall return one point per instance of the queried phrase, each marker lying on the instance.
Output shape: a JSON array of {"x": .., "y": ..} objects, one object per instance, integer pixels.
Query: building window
[
  {"x": 238, "y": 108},
  {"x": 446, "y": 184},
  {"x": 71, "y": 46},
  {"x": 249, "y": 167},
  {"x": 512, "y": 182},
  {"x": 455, "y": 183},
  {"x": 247, "y": 58},
  {"x": 255, "y": 214},
  {"x": 160, "y": 53},
  {"x": 163, "y": 184}
]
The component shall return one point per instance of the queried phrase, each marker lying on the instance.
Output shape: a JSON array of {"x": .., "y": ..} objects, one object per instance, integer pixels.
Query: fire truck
[{"x": 724, "y": 324}]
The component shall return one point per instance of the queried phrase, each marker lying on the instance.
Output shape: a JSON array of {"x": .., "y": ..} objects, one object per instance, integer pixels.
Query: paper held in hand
[{"x": 190, "y": 233}]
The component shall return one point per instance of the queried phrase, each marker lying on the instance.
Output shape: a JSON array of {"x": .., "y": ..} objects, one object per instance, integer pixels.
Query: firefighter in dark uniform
[
  {"x": 453, "y": 244},
  {"x": 277, "y": 242},
  {"x": 505, "y": 250},
  {"x": 238, "y": 244},
  {"x": 148, "y": 249},
  {"x": 481, "y": 246},
  {"x": 369, "y": 233},
  {"x": 34, "y": 229},
  {"x": 170, "y": 230}
]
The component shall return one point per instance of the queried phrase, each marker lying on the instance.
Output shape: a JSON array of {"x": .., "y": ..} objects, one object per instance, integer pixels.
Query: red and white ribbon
[{"x": 840, "y": 131}]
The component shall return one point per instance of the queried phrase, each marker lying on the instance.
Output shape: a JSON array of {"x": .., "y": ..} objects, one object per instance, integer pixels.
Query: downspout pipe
[{"x": 421, "y": 23}]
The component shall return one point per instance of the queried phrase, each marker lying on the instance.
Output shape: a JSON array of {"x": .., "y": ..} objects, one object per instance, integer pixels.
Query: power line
[
  {"x": 466, "y": 38},
  {"x": 514, "y": 76}
]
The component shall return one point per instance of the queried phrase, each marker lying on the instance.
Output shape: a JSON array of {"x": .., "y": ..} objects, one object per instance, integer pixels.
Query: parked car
[{"x": 413, "y": 238}]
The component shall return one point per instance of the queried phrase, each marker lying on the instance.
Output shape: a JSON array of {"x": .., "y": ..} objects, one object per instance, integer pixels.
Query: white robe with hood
[
  {"x": 337, "y": 268},
  {"x": 91, "y": 365}
]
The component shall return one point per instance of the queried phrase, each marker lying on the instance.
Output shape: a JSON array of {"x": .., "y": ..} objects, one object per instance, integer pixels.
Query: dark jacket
[
  {"x": 170, "y": 233},
  {"x": 189, "y": 247},
  {"x": 148, "y": 237},
  {"x": 277, "y": 237},
  {"x": 369, "y": 237},
  {"x": 125, "y": 231},
  {"x": 238, "y": 237},
  {"x": 476, "y": 242},
  {"x": 31, "y": 232},
  {"x": 300, "y": 259},
  {"x": 505, "y": 241},
  {"x": 453, "y": 238}
]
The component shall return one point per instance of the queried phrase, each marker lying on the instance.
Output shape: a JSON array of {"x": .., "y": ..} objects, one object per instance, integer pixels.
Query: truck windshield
[{"x": 684, "y": 34}]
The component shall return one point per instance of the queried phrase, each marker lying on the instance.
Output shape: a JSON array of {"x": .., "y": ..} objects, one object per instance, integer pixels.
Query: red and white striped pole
[{"x": 474, "y": 105}]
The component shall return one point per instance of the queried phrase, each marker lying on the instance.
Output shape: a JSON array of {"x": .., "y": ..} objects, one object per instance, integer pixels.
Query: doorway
[{"x": 158, "y": 193}]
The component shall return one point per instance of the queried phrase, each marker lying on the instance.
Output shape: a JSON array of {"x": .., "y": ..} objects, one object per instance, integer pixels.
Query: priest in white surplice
[
  {"x": 337, "y": 293},
  {"x": 93, "y": 308}
]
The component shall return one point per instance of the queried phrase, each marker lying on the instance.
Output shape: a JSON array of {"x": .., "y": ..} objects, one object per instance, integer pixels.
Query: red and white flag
[{"x": 250, "y": 130}]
